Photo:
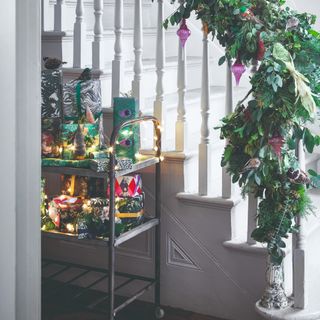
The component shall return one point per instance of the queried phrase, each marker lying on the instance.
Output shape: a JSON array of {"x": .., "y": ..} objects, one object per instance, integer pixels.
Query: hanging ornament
[
  {"x": 89, "y": 115},
  {"x": 261, "y": 49},
  {"x": 183, "y": 32},
  {"x": 247, "y": 114},
  {"x": 79, "y": 144},
  {"x": 276, "y": 142},
  {"x": 238, "y": 69}
]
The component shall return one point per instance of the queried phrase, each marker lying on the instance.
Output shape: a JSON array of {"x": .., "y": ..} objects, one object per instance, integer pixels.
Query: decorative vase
[{"x": 274, "y": 296}]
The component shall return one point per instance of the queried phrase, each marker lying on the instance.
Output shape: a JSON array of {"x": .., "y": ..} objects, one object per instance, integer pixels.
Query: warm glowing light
[
  {"x": 116, "y": 167},
  {"x": 60, "y": 149},
  {"x": 72, "y": 148},
  {"x": 110, "y": 150},
  {"x": 70, "y": 227},
  {"x": 155, "y": 148},
  {"x": 161, "y": 158},
  {"x": 138, "y": 156},
  {"x": 155, "y": 138},
  {"x": 44, "y": 228},
  {"x": 69, "y": 190}
]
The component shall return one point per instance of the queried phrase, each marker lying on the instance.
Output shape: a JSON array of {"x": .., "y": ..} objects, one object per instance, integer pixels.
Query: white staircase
[{"x": 209, "y": 262}]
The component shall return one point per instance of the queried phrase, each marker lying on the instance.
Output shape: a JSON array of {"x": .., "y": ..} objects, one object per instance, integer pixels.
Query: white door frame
[{"x": 20, "y": 238}]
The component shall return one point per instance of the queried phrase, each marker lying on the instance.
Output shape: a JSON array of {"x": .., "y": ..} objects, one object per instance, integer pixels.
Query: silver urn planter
[{"x": 274, "y": 296}]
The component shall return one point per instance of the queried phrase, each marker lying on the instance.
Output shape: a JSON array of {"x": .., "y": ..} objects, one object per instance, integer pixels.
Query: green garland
[{"x": 263, "y": 133}]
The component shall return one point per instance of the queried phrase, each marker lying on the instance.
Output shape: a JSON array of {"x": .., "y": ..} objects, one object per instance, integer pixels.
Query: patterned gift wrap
[
  {"x": 128, "y": 186},
  {"x": 73, "y": 185},
  {"x": 124, "y": 164},
  {"x": 81, "y": 98},
  {"x": 130, "y": 207},
  {"x": 78, "y": 140},
  {"x": 52, "y": 162},
  {"x": 51, "y": 93},
  {"x": 50, "y": 137},
  {"x": 128, "y": 142},
  {"x": 102, "y": 165},
  {"x": 82, "y": 186},
  {"x": 99, "y": 165}
]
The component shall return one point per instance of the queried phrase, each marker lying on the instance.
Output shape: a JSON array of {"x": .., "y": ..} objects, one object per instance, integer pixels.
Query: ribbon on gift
[{"x": 123, "y": 215}]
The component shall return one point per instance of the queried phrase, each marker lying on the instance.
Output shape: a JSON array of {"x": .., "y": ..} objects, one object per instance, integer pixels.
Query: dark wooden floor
[
  {"x": 58, "y": 305},
  {"x": 136, "y": 311}
]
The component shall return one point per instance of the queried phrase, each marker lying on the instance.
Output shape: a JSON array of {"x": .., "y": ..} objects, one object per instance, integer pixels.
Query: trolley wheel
[{"x": 159, "y": 313}]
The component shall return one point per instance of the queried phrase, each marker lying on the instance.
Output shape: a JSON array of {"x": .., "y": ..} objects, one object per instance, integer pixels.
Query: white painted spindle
[
  {"x": 137, "y": 44},
  {"x": 181, "y": 124},
  {"x": 160, "y": 63},
  {"x": 97, "y": 44},
  {"x": 227, "y": 186},
  {"x": 299, "y": 253},
  {"x": 204, "y": 151},
  {"x": 117, "y": 64},
  {"x": 79, "y": 37},
  {"x": 252, "y": 217},
  {"x": 59, "y": 15}
]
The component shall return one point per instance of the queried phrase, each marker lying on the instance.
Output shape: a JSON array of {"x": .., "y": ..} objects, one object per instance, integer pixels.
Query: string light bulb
[
  {"x": 161, "y": 158},
  {"x": 110, "y": 149},
  {"x": 70, "y": 227}
]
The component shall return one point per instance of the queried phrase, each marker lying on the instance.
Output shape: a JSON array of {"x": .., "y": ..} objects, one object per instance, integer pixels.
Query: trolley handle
[{"x": 157, "y": 129}]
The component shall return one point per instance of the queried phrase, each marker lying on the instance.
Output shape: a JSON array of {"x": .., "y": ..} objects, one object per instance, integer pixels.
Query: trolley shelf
[
  {"x": 144, "y": 163},
  {"x": 147, "y": 225},
  {"x": 98, "y": 304}
]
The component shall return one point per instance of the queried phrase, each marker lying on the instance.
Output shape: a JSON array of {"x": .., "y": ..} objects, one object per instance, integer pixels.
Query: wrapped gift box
[
  {"x": 82, "y": 186},
  {"x": 128, "y": 186},
  {"x": 53, "y": 162},
  {"x": 100, "y": 165},
  {"x": 50, "y": 137},
  {"x": 78, "y": 140},
  {"x": 128, "y": 142},
  {"x": 51, "y": 93},
  {"x": 130, "y": 207},
  {"x": 79, "y": 97}
]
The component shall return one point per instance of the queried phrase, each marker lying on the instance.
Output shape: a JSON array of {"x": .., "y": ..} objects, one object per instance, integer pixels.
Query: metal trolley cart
[{"x": 113, "y": 241}]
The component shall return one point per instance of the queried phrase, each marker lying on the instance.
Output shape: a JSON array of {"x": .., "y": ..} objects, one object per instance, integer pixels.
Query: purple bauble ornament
[
  {"x": 238, "y": 70},
  {"x": 183, "y": 32}
]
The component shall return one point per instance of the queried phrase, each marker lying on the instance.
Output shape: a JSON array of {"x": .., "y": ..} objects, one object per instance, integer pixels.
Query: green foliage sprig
[{"x": 282, "y": 101}]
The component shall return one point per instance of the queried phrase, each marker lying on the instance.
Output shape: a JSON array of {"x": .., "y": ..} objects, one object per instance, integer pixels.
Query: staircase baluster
[
  {"x": 181, "y": 81},
  {"x": 97, "y": 44},
  {"x": 137, "y": 44},
  {"x": 299, "y": 253},
  {"x": 160, "y": 64},
  {"x": 204, "y": 152},
  {"x": 252, "y": 215},
  {"x": 117, "y": 64},
  {"x": 227, "y": 186},
  {"x": 79, "y": 37},
  {"x": 59, "y": 15}
]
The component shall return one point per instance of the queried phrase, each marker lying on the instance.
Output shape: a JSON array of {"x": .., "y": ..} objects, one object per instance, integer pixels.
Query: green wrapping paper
[
  {"x": 128, "y": 142},
  {"x": 78, "y": 140},
  {"x": 52, "y": 162},
  {"x": 51, "y": 93},
  {"x": 130, "y": 204},
  {"x": 102, "y": 154},
  {"x": 50, "y": 137}
]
